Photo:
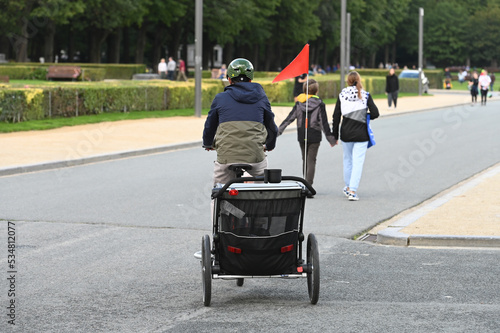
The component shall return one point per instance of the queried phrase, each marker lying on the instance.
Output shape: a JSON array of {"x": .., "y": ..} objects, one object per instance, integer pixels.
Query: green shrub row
[
  {"x": 91, "y": 72},
  {"x": 435, "y": 76},
  {"x": 39, "y": 103},
  {"x": 328, "y": 88},
  {"x": 29, "y": 104}
]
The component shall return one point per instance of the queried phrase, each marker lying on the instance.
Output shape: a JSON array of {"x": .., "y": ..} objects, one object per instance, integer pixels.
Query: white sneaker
[
  {"x": 346, "y": 192},
  {"x": 353, "y": 197}
]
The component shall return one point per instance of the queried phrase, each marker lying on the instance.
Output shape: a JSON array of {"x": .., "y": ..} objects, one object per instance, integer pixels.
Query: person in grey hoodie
[{"x": 317, "y": 122}]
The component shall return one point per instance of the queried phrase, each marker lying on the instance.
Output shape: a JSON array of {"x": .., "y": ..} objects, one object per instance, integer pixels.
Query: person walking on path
[
  {"x": 317, "y": 121},
  {"x": 392, "y": 88},
  {"x": 352, "y": 106},
  {"x": 162, "y": 68},
  {"x": 484, "y": 84},
  {"x": 171, "y": 65},
  {"x": 182, "y": 71},
  {"x": 240, "y": 124},
  {"x": 492, "y": 77},
  {"x": 473, "y": 85}
]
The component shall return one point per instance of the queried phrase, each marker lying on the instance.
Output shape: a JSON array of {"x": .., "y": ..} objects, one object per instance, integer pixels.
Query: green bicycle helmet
[{"x": 240, "y": 67}]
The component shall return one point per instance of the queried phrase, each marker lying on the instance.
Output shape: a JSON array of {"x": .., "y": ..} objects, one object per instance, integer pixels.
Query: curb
[
  {"x": 392, "y": 235},
  {"x": 94, "y": 159}
]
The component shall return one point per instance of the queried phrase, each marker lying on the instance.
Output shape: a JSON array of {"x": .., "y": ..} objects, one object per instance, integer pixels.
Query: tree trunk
[
  {"x": 97, "y": 37},
  {"x": 48, "y": 47},
  {"x": 372, "y": 60},
  {"x": 20, "y": 42},
  {"x": 141, "y": 43},
  {"x": 255, "y": 56},
  {"x": 228, "y": 53},
  {"x": 71, "y": 45},
  {"x": 494, "y": 63},
  {"x": 126, "y": 46},
  {"x": 5, "y": 47},
  {"x": 114, "y": 42},
  {"x": 386, "y": 54},
  {"x": 393, "y": 55},
  {"x": 269, "y": 57},
  {"x": 157, "y": 46},
  {"x": 176, "y": 40},
  {"x": 325, "y": 54}
]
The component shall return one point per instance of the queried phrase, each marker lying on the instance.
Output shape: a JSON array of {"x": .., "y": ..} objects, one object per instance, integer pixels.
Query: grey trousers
[
  {"x": 392, "y": 96},
  {"x": 222, "y": 174}
]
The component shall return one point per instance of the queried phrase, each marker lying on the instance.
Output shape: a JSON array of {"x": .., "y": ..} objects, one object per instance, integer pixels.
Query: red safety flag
[{"x": 299, "y": 66}]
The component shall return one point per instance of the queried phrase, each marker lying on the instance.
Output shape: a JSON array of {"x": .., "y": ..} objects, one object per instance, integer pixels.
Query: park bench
[
  {"x": 215, "y": 73},
  {"x": 63, "y": 72}
]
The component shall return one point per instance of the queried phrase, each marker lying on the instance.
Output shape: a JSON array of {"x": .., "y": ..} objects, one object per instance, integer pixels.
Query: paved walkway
[{"x": 454, "y": 218}]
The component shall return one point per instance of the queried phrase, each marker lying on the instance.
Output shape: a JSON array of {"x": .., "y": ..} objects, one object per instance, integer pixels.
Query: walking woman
[
  {"x": 473, "y": 85},
  {"x": 352, "y": 106}
]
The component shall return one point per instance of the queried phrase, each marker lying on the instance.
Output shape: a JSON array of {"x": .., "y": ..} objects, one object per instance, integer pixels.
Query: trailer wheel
[
  {"x": 313, "y": 268},
  {"x": 206, "y": 270}
]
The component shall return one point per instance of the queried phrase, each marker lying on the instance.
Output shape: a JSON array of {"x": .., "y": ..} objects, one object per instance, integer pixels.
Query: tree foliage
[{"x": 270, "y": 32}]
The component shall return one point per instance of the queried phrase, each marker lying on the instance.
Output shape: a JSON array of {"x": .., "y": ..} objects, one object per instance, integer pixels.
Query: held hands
[{"x": 265, "y": 148}]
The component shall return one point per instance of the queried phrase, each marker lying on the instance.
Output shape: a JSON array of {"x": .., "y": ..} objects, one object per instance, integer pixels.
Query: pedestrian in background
[
  {"x": 297, "y": 88},
  {"x": 352, "y": 106},
  {"x": 162, "y": 69},
  {"x": 484, "y": 85},
  {"x": 447, "y": 78},
  {"x": 317, "y": 122},
  {"x": 473, "y": 84},
  {"x": 392, "y": 88},
  {"x": 492, "y": 76},
  {"x": 171, "y": 66},
  {"x": 222, "y": 72},
  {"x": 182, "y": 71}
]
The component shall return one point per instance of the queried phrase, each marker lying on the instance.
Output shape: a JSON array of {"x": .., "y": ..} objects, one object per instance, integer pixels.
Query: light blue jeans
[{"x": 354, "y": 158}]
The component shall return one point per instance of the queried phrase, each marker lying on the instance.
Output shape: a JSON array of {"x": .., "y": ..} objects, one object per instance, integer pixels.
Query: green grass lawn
[{"x": 44, "y": 124}]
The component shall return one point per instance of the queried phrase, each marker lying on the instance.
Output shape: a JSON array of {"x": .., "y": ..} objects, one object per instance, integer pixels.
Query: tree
[
  {"x": 21, "y": 29},
  {"x": 484, "y": 33},
  {"x": 445, "y": 43},
  {"x": 101, "y": 17},
  {"x": 53, "y": 13}
]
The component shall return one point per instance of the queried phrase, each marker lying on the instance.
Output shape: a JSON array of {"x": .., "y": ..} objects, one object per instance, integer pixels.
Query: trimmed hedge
[
  {"x": 38, "y": 103},
  {"x": 91, "y": 72},
  {"x": 435, "y": 76},
  {"x": 75, "y": 99}
]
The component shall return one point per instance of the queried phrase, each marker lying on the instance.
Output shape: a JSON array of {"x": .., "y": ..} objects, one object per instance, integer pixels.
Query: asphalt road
[{"x": 108, "y": 247}]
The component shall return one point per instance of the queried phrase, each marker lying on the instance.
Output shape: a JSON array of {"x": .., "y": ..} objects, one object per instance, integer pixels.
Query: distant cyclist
[{"x": 240, "y": 125}]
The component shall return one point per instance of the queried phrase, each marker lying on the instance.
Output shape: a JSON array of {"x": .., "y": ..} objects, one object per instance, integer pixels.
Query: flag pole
[{"x": 307, "y": 125}]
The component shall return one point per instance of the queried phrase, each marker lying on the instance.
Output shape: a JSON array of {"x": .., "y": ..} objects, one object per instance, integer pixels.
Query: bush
[
  {"x": 28, "y": 104},
  {"x": 96, "y": 72},
  {"x": 92, "y": 74},
  {"x": 18, "y": 105},
  {"x": 19, "y": 72}
]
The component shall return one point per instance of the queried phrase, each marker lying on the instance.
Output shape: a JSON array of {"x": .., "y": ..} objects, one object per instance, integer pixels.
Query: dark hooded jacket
[
  {"x": 316, "y": 118},
  {"x": 240, "y": 122}
]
